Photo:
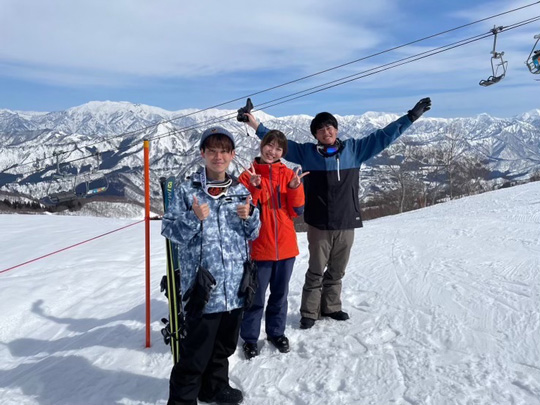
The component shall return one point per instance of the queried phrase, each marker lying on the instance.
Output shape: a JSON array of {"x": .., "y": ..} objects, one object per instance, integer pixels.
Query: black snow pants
[{"x": 203, "y": 368}]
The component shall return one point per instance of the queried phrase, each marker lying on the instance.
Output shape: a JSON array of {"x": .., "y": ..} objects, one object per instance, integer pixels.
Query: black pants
[{"x": 203, "y": 367}]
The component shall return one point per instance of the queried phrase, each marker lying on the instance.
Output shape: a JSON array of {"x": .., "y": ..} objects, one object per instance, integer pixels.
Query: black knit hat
[{"x": 321, "y": 120}]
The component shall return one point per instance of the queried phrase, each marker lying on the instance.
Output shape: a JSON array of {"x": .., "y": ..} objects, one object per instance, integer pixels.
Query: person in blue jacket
[
  {"x": 210, "y": 219},
  {"x": 332, "y": 208}
]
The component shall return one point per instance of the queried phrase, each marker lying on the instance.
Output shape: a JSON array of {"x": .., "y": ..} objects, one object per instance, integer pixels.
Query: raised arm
[
  {"x": 380, "y": 139},
  {"x": 296, "y": 150}
]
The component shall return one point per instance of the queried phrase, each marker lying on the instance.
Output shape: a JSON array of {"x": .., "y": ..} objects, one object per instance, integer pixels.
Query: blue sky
[{"x": 176, "y": 54}]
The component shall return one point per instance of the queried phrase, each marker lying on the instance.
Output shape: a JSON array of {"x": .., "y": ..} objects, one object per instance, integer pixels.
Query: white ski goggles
[{"x": 216, "y": 189}]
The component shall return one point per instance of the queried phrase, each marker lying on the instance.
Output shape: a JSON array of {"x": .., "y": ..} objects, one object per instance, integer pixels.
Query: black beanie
[{"x": 321, "y": 120}]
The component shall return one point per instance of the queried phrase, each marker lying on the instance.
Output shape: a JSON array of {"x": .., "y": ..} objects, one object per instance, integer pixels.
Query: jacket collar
[
  {"x": 264, "y": 168},
  {"x": 196, "y": 178}
]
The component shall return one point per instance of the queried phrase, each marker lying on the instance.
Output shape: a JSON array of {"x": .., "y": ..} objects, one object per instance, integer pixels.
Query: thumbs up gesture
[
  {"x": 201, "y": 210},
  {"x": 243, "y": 209}
]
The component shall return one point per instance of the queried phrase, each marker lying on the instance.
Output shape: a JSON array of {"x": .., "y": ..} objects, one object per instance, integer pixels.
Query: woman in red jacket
[{"x": 279, "y": 194}]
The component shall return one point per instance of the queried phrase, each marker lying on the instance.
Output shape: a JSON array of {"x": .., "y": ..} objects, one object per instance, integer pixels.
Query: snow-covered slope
[{"x": 444, "y": 305}]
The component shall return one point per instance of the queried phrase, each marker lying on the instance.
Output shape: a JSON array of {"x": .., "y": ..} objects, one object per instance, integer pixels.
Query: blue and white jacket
[
  {"x": 223, "y": 235},
  {"x": 331, "y": 188}
]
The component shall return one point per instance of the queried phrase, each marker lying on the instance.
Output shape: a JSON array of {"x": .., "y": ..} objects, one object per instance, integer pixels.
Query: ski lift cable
[
  {"x": 326, "y": 85},
  {"x": 388, "y": 66},
  {"x": 356, "y": 76},
  {"x": 97, "y": 154},
  {"x": 61, "y": 163},
  {"x": 377, "y": 69},
  {"x": 395, "y": 64},
  {"x": 141, "y": 130},
  {"x": 360, "y": 75},
  {"x": 336, "y": 67},
  {"x": 325, "y": 70},
  {"x": 308, "y": 91},
  {"x": 521, "y": 23}
]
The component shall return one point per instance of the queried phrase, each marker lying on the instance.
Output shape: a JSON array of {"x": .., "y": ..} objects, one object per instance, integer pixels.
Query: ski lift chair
[
  {"x": 61, "y": 190},
  {"x": 61, "y": 187},
  {"x": 532, "y": 62},
  {"x": 62, "y": 197},
  {"x": 94, "y": 182},
  {"x": 496, "y": 67},
  {"x": 97, "y": 186}
]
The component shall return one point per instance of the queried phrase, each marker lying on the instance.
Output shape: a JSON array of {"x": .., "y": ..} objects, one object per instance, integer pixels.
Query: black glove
[
  {"x": 249, "y": 283},
  {"x": 421, "y": 107},
  {"x": 242, "y": 111},
  {"x": 198, "y": 295}
]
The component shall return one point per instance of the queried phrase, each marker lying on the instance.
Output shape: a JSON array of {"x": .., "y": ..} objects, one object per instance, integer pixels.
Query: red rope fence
[{"x": 69, "y": 247}]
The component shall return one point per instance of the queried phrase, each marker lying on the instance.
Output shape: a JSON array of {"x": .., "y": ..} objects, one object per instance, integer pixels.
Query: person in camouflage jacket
[
  {"x": 223, "y": 236},
  {"x": 210, "y": 219}
]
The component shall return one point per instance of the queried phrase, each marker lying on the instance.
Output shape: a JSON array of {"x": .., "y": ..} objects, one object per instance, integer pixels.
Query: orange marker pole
[{"x": 147, "y": 233}]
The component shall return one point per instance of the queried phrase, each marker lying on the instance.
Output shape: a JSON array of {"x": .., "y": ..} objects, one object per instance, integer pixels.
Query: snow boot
[
  {"x": 306, "y": 323},
  {"x": 250, "y": 350},
  {"x": 281, "y": 343},
  {"x": 227, "y": 396},
  {"x": 338, "y": 315}
]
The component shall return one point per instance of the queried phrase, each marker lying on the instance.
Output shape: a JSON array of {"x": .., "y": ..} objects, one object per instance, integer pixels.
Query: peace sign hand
[
  {"x": 254, "y": 179},
  {"x": 297, "y": 179}
]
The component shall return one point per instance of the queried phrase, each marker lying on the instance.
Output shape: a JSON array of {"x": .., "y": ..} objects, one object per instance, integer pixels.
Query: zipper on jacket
[
  {"x": 221, "y": 202},
  {"x": 222, "y": 259},
  {"x": 275, "y": 212},
  {"x": 338, "y": 175}
]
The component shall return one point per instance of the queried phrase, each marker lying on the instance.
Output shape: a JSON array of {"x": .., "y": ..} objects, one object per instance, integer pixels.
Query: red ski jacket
[{"x": 278, "y": 205}]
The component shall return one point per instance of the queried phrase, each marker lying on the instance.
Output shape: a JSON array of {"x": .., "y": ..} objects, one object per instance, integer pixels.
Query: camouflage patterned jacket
[{"x": 224, "y": 236}]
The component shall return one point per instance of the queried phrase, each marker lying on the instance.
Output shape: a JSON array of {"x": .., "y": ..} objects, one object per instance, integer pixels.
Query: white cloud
[{"x": 179, "y": 38}]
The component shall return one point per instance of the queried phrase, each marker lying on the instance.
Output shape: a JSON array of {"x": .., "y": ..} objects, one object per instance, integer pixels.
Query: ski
[{"x": 170, "y": 283}]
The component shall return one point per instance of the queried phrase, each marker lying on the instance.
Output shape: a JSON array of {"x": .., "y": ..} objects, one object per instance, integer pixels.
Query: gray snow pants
[{"x": 328, "y": 257}]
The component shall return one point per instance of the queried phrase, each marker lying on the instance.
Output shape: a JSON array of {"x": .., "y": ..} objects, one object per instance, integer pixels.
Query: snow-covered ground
[{"x": 444, "y": 304}]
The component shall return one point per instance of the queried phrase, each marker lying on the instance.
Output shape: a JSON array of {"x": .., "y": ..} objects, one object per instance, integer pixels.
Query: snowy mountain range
[{"x": 36, "y": 145}]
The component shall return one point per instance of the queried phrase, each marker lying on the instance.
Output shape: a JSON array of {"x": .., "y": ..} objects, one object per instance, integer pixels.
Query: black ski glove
[
  {"x": 249, "y": 283},
  {"x": 198, "y": 295},
  {"x": 420, "y": 108}
]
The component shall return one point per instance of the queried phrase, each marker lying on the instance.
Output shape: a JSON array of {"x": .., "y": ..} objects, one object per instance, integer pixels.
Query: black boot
[
  {"x": 250, "y": 350},
  {"x": 338, "y": 315},
  {"x": 306, "y": 323},
  {"x": 281, "y": 343},
  {"x": 227, "y": 396}
]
